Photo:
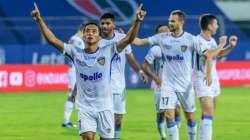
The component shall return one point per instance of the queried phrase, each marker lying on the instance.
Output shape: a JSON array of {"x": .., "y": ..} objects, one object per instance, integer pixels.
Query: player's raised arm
[
  {"x": 141, "y": 42},
  {"x": 49, "y": 36},
  {"x": 132, "y": 31}
]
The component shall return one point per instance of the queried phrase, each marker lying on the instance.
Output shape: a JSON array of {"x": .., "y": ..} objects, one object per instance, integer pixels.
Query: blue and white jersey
[
  {"x": 93, "y": 77},
  {"x": 177, "y": 53},
  {"x": 200, "y": 63},
  {"x": 118, "y": 83}
]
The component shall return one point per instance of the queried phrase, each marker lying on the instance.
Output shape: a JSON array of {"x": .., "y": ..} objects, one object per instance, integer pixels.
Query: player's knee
[
  {"x": 87, "y": 136},
  {"x": 190, "y": 116},
  {"x": 169, "y": 115},
  {"x": 118, "y": 118}
]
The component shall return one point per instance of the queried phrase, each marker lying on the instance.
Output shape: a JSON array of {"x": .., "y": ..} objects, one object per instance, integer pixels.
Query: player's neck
[
  {"x": 206, "y": 35},
  {"x": 178, "y": 33},
  {"x": 91, "y": 48}
]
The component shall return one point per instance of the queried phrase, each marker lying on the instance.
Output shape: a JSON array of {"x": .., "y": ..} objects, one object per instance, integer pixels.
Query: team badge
[
  {"x": 183, "y": 48},
  {"x": 101, "y": 60}
]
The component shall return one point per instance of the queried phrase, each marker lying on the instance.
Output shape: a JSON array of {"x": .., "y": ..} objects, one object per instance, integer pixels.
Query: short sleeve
[
  {"x": 156, "y": 39},
  {"x": 153, "y": 53},
  {"x": 128, "y": 49},
  {"x": 197, "y": 44},
  {"x": 68, "y": 51}
]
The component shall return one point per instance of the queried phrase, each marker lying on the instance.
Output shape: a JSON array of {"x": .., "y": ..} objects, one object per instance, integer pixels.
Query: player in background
[
  {"x": 157, "y": 67},
  {"x": 177, "y": 49},
  {"x": 208, "y": 94},
  {"x": 118, "y": 87},
  {"x": 75, "y": 40},
  {"x": 94, "y": 100}
]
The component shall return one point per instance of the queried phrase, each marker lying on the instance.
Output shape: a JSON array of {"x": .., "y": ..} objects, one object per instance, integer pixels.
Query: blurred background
[{"x": 21, "y": 42}]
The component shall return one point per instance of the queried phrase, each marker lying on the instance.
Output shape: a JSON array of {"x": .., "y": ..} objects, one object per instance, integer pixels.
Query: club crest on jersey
[
  {"x": 183, "y": 48},
  {"x": 101, "y": 60}
]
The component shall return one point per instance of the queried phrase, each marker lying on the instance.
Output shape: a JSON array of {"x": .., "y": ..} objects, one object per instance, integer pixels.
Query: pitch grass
[{"x": 38, "y": 116}]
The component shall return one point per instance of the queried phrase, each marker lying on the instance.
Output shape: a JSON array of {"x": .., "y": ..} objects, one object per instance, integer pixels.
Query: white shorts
[
  {"x": 71, "y": 77},
  {"x": 157, "y": 92},
  {"x": 170, "y": 99},
  {"x": 203, "y": 90},
  {"x": 119, "y": 103},
  {"x": 102, "y": 122}
]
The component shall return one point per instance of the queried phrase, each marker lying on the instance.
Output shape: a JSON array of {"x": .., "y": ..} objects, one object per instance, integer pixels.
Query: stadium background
[{"x": 28, "y": 63}]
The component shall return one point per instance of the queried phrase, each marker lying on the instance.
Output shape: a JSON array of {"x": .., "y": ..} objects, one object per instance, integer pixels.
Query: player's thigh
[
  {"x": 207, "y": 105},
  {"x": 119, "y": 103},
  {"x": 187, "y": 100},
  {"x": 87, "y": 122},
  {"x": 105, "y": 125}
]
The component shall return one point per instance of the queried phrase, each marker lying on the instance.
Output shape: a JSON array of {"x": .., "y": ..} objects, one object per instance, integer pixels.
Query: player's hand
[
  {"x": 140, "y": 13},
  {"x": 143, "y": 77},
  {"x": 208, "y": 79},
  {"x": 223, "y": 41},
  {"x": 157, "y": 81},
  {"x": 233, "y": 41},
  {"x": 36, "y": 13}
]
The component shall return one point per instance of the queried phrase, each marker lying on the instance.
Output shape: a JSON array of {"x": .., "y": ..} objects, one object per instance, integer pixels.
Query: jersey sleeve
[
  {"x": 156, "y": 39},
  {"x": 77, "y": 42},
  {"x": 128, "y": 49},
  {"x": 197, "y": 45},
  {"x": 153, "y": 53},
  {"x": 68, "y": 51}
]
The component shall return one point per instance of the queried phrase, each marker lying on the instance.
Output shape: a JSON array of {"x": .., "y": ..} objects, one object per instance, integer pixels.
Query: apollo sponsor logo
[
  {"x": 94, "y": 77},
  {"x": 175, "y": 57}
]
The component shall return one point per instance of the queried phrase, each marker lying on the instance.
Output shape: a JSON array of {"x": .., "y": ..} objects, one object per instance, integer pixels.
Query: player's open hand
[
  {"x": 223, "y": 41},
  {"x": 35, "y": 13},
  {"x": 233, "y": 41},
  {"x": 140, "y": 13}
]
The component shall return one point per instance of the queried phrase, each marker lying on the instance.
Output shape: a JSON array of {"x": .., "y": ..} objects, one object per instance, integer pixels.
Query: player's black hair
[
  {"x": 205, "y": 20},
  {"x": 159, "y": 26},
  {"x": 180, "y": 14},
  {"x": 92, "y": 23},
  {"x": 108, "y": 16}
]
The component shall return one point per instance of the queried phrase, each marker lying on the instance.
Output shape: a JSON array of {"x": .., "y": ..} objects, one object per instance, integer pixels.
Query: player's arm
[
  {"x": 219, "y": 48},
  {"x": 141, "y": 42},
  {"x": 147, "y": 68},
  {"x": 133, "y": 63},
  {"x": 120, "y": 45},
  {"x": 232, "y": 43},
  {"x": 49, "y": 36}
]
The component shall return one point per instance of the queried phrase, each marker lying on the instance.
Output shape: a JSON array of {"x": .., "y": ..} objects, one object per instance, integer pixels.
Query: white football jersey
[
  {"x": 177, "y": 54},
  {"x": 93, "y": 77},
  {"x": 200, "y": 64},
  {"x": 118, "y": 82}
]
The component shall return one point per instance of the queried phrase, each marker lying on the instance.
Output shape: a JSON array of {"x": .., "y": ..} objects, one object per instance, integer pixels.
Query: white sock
[
  {"x": 161, "y": 124},
  {"x": 192, "y": 128},
  {"x": 206, "y": 128},
  {"x": 173, "y": 130},
  {"x": 68, "y": 108},
  {"x": 178, "y": 120}
]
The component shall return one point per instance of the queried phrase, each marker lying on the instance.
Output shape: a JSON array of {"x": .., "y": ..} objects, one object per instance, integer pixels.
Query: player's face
[
  {"x": 174, "y": 23},
  {"x": 91, "y": 34},
  {"x": 107, "y": 26},
  {"x": 213, "y": 26},
  {"x": 163, "y": 29}
]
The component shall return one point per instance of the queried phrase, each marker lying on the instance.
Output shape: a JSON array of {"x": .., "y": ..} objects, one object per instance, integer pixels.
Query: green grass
[{"x": 38, "y": 116}]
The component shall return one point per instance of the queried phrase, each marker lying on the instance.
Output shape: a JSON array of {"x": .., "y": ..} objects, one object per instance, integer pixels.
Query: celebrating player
[
  {"x": 94, "y": 99},
  {"x": 176, "y": 48},
  {"x": 207, "y": 93}
]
